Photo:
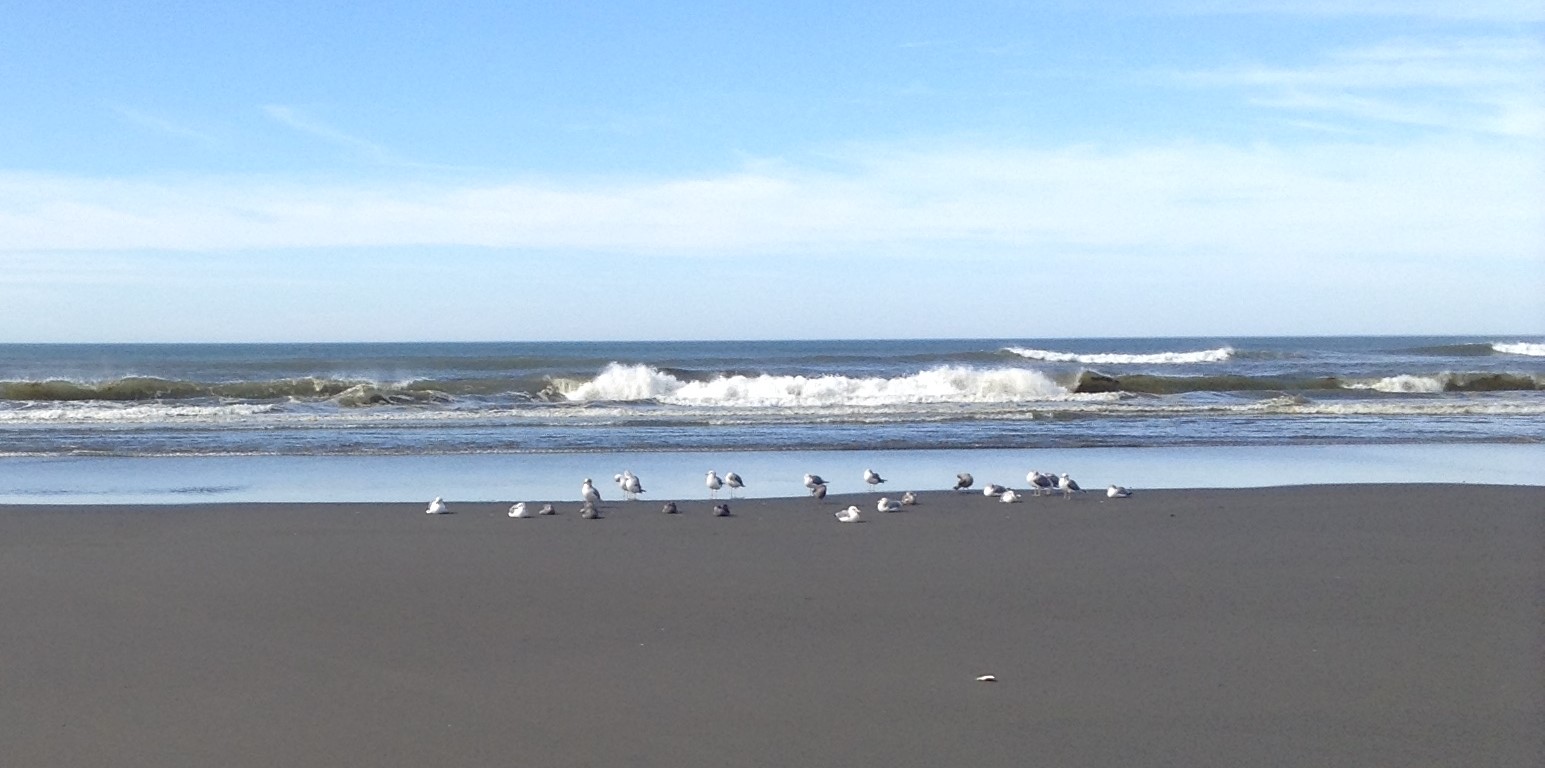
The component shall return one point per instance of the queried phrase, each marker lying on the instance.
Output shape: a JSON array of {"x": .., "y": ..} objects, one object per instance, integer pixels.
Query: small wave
[
  {"x": 1218, "y": 355},
  {"x": 945, "y": 384},
  {"x": 1529, "y": 349},
  {"x": 1402, "y": 384}
]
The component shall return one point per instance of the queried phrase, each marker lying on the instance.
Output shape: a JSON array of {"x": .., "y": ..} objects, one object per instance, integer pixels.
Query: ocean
[{"x": 128, "y": 409}]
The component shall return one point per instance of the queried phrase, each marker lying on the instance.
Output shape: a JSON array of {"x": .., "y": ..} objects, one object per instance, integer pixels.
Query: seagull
[
  {"x": 873, "y": 478},
  {"x": 1068, "y": 486},
  {"x": 714, "y": 484},
  {"x": 1040, "y": 481},
  {"x": 588, "y": 492},
  {"x": 547, "y": 509},
  {"x": 721, "y": 510},
  {"x": 1117, "y": 492},
  {"x": 818, "y": 491},
  {"x": 963, "y": 481},
  {"x": 669, "y": 508},
  {"x": 1010, "y": 497},
  {"x": 733, "y": 481},
  {"x": 437, "y": 507},
  {"x": 849, "y": 515},
  {"x": 886, "y": 505},
  {"x": 909, "y": 499},
  {"x": 518, "y": 510},
  {"x": 993, "y": 489},
  {"x": 589, "y": 512},
  {"x": 631, "y": 486},
  {"x": 811, "y": 481}
]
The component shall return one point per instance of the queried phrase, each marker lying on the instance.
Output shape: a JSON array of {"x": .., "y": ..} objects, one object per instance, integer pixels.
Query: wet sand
[{"x": 1321, "y": 625}]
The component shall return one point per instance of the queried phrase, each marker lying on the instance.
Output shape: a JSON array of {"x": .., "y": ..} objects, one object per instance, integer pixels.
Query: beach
[{"x": 1369, "y": 625}]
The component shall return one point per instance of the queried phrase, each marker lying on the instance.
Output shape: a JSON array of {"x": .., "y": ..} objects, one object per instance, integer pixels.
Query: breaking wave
[
  {"x": 1519, "y": 348},
  {"x": 944, "y": 384},
  {"x": 1218, "y": 355}
]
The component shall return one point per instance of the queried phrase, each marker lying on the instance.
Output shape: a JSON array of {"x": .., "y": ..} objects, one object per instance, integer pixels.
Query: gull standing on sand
[
  {"x": 1117, "y": 492},
  {"x": 811, "y": 481},
  {"x": 993, "y": 489},
  {"x": 588, "y": 492},
  {"x": 886, "y": 505},
  {"x": 872, "y": 477},
  {"x": 1068, "y": 486},
  {"x": 963, "y": 481},
  {"x": 437, "y": 507},
  {"x": 1040, "y": 481},
  {"x": 849, "y": 515},
  {"x": 714, "y": 484},
  {"x": 818, "y": 491},
  {"x": 733, "y": 481},
  {"x": 632, "y": 486},
  {"x": 518, "y": 509}
]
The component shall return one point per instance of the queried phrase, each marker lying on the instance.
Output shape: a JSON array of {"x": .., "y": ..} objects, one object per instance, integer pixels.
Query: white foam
[
  {"x": 1218, "y": 355},
  {"x": 102, "y": 413},
  {"x": 1404, "y": 384},
  {"x": 945, "y": 384},
  {"x": 1519, "y": 348}
]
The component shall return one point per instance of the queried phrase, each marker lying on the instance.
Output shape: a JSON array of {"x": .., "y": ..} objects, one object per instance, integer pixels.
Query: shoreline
[{"x": 1311, "y": 625}]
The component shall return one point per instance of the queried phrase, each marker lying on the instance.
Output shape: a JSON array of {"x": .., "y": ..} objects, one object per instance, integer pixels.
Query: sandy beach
[{"x": 1318, "y": 625}]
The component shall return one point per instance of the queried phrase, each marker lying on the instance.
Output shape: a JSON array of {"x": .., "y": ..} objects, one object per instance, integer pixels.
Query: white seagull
[
  {"x": 1117, "y": 492},
  {"x": 993, "y": 489},
  {"x": 437, "y": 507},
  {"x": 1010, "y": 497},
  {"x": 1068, "y": 486},
  {"x": 631, "y": 486},
  {"x": 849, "y": 515},
  {"x": 588, "y": 492},
  {"x": 733, "y": 481},
  {"x": 518, "y": 509},
  {"x": 1040, "y": 481},
  {"x": 873, "y": 478},
  {"x": 963, "y": 481},
  {"x": 909, "y": 499},
  {"x": 714, "y": 484},
  {"x": 811, "y": 481},
  {"x": 886, "y": 505}
]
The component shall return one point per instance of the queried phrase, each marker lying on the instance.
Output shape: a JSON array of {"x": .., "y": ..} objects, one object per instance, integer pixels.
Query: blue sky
[{"x": 489, "y": 171}]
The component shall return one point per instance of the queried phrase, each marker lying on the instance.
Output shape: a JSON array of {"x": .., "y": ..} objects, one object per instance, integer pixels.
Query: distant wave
[
  {"x": 1520, "y": 348},
  {"x": 1450, "y": 382},
  {"x": 1218, "y": 355},
  {"x": 944, "y": 384}
]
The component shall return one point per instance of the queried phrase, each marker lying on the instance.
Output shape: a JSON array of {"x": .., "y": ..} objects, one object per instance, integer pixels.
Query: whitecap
[
  {"x": 1519, "y": 348},
  {"x": 1219, "y": 355}
]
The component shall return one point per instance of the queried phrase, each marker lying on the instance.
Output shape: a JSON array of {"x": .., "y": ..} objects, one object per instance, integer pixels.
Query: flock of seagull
[{"x": 1040, "y": 483}]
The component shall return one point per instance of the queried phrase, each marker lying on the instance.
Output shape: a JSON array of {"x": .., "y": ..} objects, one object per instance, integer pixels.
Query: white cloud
[
  {"x": 1486, "y": 86},
  {"x": 1428, "y": 199}
]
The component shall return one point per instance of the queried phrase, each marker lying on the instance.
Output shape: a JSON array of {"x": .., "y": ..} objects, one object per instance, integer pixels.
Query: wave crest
[
  {"x": 1219, "y": 355},
  {"x": 944, "y": 384},
  {"x": 1519, "y": 348}
]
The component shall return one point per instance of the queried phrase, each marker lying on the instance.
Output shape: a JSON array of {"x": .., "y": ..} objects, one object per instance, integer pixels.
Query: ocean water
[{"x": 61, "y": 405}]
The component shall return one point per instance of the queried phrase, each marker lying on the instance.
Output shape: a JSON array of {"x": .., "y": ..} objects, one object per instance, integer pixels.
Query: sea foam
[
  {"x": 1519, "y": 348},
  {"x": 944, "y": 384},
  {"x": 1218, "y": 355}
]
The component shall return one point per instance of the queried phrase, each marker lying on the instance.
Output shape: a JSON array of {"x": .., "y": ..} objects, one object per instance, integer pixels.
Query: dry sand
[{"x": 1337, "y": 625}]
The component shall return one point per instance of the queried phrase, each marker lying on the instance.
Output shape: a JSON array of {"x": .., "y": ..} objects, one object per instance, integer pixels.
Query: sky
[{"x": 394, "y": 171}]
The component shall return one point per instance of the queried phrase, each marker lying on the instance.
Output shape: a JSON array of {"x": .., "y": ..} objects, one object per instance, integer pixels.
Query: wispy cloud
[
  {"x": 1471, "y": 10},
  {"x": 162, "y": 125},
  {"x": 1435, "y": 199},
  {"x": 1484, "y": 86},
  {"x": 362, "y": 148}
]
